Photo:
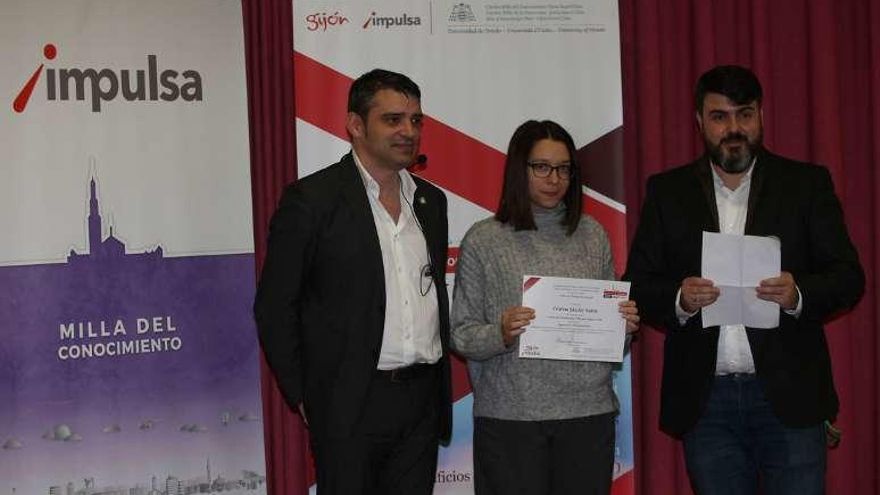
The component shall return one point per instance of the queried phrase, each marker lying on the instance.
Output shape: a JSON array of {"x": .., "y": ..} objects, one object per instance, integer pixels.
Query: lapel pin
[{"x": 422, "y": 200}]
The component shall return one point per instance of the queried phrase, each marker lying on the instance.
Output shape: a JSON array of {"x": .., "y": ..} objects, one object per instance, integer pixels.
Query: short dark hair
[
  {"x": 515, "y": 207},
  {"x": 365, "y": 87},
  {"x": 737, "y": 83}
]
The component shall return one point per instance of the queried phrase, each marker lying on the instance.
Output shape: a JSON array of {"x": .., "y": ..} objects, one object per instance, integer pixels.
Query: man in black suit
[
  {"x": 748, "y": 403},
  {"x": 352, "y": 307}
]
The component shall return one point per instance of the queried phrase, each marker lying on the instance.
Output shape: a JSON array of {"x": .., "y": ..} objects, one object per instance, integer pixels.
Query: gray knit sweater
[{"x": 491, "y": 264}]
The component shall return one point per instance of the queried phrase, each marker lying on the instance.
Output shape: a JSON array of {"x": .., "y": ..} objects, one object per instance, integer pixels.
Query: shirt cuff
[
  {"x": 796, "y": 312},
  {"x": 683, "y": 316}
]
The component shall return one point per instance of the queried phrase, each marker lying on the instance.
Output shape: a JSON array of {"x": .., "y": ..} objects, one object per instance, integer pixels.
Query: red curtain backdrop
[
  {"x": 268, "y": 41},
  {"x": 819, "y": 61}
]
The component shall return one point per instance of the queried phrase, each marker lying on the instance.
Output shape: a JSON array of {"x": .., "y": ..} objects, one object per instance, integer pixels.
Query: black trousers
[
  {"x": 394, "y": 448},
  {"x": 556, "y": 457}
]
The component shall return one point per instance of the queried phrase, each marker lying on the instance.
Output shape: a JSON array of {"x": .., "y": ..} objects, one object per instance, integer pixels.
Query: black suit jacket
[
  {"x": 320, "y": 304},
  {"x": 790, "y": 200}
]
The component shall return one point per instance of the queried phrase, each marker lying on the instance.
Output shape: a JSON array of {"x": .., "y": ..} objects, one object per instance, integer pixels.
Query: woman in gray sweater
[{"x": 540, "y": 426}]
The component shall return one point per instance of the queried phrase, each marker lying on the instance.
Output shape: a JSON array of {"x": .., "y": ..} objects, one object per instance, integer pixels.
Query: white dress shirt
[
  {"x": 412, "y": 324},
  {"x": 734, "y": 353}
]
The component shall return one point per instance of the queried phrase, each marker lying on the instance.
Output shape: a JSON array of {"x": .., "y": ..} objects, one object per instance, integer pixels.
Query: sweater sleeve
[{"x": 475, "y": 334}]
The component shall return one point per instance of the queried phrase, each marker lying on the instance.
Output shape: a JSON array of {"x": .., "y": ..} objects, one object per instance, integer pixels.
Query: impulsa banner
[{"x": 128, "y": 358}]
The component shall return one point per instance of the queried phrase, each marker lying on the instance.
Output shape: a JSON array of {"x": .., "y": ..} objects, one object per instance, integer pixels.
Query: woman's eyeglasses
[{"x": 543, "y": 170}]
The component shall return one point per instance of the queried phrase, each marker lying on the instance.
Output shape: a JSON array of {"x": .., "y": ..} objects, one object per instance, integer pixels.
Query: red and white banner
[{"x": 484, "y": 67}]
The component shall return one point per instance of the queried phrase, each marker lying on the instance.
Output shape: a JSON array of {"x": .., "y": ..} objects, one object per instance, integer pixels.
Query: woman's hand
[{"x": 513, "y": 322}]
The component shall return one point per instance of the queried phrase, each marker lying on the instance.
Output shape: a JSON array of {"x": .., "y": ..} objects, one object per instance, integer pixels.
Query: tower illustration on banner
[{"x": 109, "y": 248}]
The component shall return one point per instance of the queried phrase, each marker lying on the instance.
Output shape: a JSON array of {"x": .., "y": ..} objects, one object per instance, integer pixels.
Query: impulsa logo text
[{"x": 100, "y": 86}]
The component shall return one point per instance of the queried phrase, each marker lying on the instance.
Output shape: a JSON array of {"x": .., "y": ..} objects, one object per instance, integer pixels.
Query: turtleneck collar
[{"x": 548, "y": 217}]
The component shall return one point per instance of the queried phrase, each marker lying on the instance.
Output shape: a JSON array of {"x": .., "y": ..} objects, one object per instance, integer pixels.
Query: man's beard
[{"x": 738, "y": 162}]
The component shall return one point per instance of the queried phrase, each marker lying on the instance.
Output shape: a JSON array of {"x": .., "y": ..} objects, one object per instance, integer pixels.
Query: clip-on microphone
[{"x": 420, "y": 164}]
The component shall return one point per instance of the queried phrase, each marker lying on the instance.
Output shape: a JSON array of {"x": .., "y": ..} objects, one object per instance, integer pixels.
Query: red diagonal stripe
[
  {"x": 321, "y": 95},
  {"x": 463, "y": 165},
  {"x": 457, "y": 162},
  {"x": 615, "y": 225}
]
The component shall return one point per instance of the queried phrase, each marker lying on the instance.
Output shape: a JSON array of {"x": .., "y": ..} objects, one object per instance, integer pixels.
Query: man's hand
[
  {"x": 630, "y": 313},
  {"x": 513, "y": 322},
  {"x": 781, "y": 290},
  {"x": 697, "y": 293}
]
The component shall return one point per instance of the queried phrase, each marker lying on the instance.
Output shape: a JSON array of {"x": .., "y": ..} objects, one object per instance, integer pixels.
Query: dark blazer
[
  {"x": 790, "y": 200},
  {"x": 320, "y": 305}
]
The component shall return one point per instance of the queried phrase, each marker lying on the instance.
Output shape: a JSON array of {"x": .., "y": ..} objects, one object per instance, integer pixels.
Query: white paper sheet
[{"x": 737, "y": 264}]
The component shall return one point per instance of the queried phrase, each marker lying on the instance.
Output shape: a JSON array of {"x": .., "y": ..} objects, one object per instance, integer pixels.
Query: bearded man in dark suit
[{"x": 749, "y": 404}]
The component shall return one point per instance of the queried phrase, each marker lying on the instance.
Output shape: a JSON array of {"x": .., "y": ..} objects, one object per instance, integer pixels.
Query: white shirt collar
[
  {"x": 407, "y": 184},
  {"x": 719, "y": 183}
]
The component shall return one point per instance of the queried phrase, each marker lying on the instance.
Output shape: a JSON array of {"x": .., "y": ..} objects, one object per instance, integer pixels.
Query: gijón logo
[
  {"x": 104, "y": 85},
  {"x": 322, "y": 21}
]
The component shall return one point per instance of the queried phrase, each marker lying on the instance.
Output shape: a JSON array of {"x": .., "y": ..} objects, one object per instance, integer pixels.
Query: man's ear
[
  {"x": 699, "y": 121},
  {"x": 355, "y": 126}
]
